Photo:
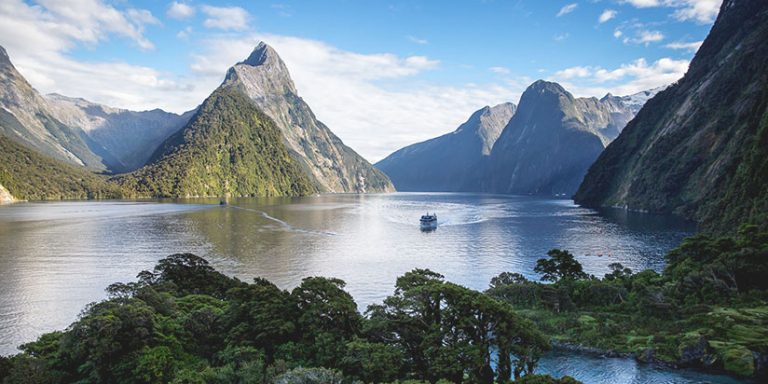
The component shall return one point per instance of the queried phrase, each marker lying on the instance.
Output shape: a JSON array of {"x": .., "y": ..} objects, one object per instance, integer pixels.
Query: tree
[
  {"x": 327, "y": 320},
  {"x": 618, "y": 272},
  {"x": 560, "y": 265}
]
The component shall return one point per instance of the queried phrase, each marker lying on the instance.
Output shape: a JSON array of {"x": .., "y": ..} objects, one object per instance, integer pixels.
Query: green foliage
[
  {"x": 560, "y": 265},
  {"x": 708, "y": 309},
  {"x": 184, "y": 322},
  {"x": 31, "y": 176},
  {"x": 229, "y": 148},
  {"x": 449, "y": 331}
]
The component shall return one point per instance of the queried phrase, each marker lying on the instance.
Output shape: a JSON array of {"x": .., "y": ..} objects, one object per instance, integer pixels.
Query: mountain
[
  {"x": 633, "y": 102},
  {"x": 550, "y": 142},
  {"x": 228, "y": 148},
  {"x": 25, "y": 117},
  {"x": 80, "y": 132},
  {"x": 700, "y": 147},
  {"x": 127, "y": 136},
  {"x": 445, "y": 163},
  {"x": 545, "y": 150},
  {"x": 332, "y": 166},
  {"x": 28, "y": 175}
]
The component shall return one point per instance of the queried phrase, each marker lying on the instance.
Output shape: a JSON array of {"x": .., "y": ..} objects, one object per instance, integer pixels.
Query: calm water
[{"x": 57, "y": 257}]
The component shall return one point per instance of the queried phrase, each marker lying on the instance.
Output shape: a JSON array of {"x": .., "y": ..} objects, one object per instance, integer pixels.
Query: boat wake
[{"x": 284, "y": 224}]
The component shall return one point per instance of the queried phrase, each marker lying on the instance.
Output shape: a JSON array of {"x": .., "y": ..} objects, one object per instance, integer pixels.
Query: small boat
[
  {"x": 223, "y": 202},
  {"x": 428, "y": 222}
]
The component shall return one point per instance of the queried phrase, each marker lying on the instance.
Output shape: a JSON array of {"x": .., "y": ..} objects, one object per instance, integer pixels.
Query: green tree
[{"x": 560, "y": 265}]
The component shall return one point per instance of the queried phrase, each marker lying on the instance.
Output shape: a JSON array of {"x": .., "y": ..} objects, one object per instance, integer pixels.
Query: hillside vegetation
[
  {"x": 28, "y": 175},
  {"x": 229, "y": 148}
]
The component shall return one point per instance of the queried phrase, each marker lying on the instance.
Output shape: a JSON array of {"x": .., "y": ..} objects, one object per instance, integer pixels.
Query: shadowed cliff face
[
  {"x": 699, "y": 147},
  {"x": 547, "y": 146},
  {"x": 331, "y": 165},
  {"x": 543, "y": 147},
  {"x": 445, "y": 163}
]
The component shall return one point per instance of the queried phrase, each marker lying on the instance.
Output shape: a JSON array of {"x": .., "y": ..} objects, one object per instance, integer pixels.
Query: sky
[{"x": 380, "y": 74}]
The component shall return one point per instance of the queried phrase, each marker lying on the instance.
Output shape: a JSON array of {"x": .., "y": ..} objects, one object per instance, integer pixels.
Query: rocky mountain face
[
  {"x": 5, "y": 196},
  {"x": 447, "y": 162},
  {"x": 80, "y": 132},
  {"x": 550, "y": 142},
  {"x": 700, "y": 147},
  {"x": 229, "y": 148},
  {"x": 26, "y": 118},
  {"x": 129, "y": 137},
  {"x": 332, "y": 166}
]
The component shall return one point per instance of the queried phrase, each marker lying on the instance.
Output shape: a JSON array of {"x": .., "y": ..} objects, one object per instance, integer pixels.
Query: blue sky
[{"x": 381, "y": 74}]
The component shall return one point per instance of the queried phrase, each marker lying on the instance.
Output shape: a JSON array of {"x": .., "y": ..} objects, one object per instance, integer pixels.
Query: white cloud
[
  {"x": 617, "y": 33},
  {"x": 701, "y": 11},
  {"x": 573, "y": 72},
  {"x": 37, "y": 39},
  {"x": 184, "y": 33},
  {"x": 500, "y": 70},
  {"x": 645, "y": 37},
  {"x": 60, "y": 25},
  {"x": 627, "y": 79},
  {"x": 180, "y": 11},
  {"x": 226, "y": 18},
  {"x": 562, "y": 36},
  {"x": 417, "y": 40},
  {"x": 567, "y": 9},
  {"x": 643, "y": 3},
  {"x": 692, "y": 46},
  {"x": 606, "y": 15}
]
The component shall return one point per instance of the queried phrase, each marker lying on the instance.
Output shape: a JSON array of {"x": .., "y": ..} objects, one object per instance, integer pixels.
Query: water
[
  {"x": 57, "y": 257},
  {"x": 591, "y": 369}
]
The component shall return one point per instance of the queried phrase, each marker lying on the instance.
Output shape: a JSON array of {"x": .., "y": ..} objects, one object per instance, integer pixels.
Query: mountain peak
[
  {"x": 5, "y": 61},
  {"x": 261, "y": 55},
  {"x": 542, "y": 86}
]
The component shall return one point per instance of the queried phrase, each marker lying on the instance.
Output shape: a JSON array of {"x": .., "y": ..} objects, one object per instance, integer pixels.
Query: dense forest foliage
[
  {"x": 708, "y": 309},
  {"x": 184, "y": 322},
  {"x": 229, "y": 148},
  {"x": 32, "y": 176}
]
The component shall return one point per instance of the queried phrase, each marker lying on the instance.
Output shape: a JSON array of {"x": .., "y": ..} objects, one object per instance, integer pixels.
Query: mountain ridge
[
  {"x": 695, "y": 148},
  {"x": 442, "y": 163},
  {"x": 445, "y": 163},
  {"x": 333, "y": 166}
]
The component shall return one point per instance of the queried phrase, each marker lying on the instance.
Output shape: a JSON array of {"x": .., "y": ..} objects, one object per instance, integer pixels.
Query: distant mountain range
[
  {"x": 544, "y": 146},
  {"x": 448, "y": 162},
  {"x": 700, "y": 147},
  {"x": 271, "y": 145}
]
